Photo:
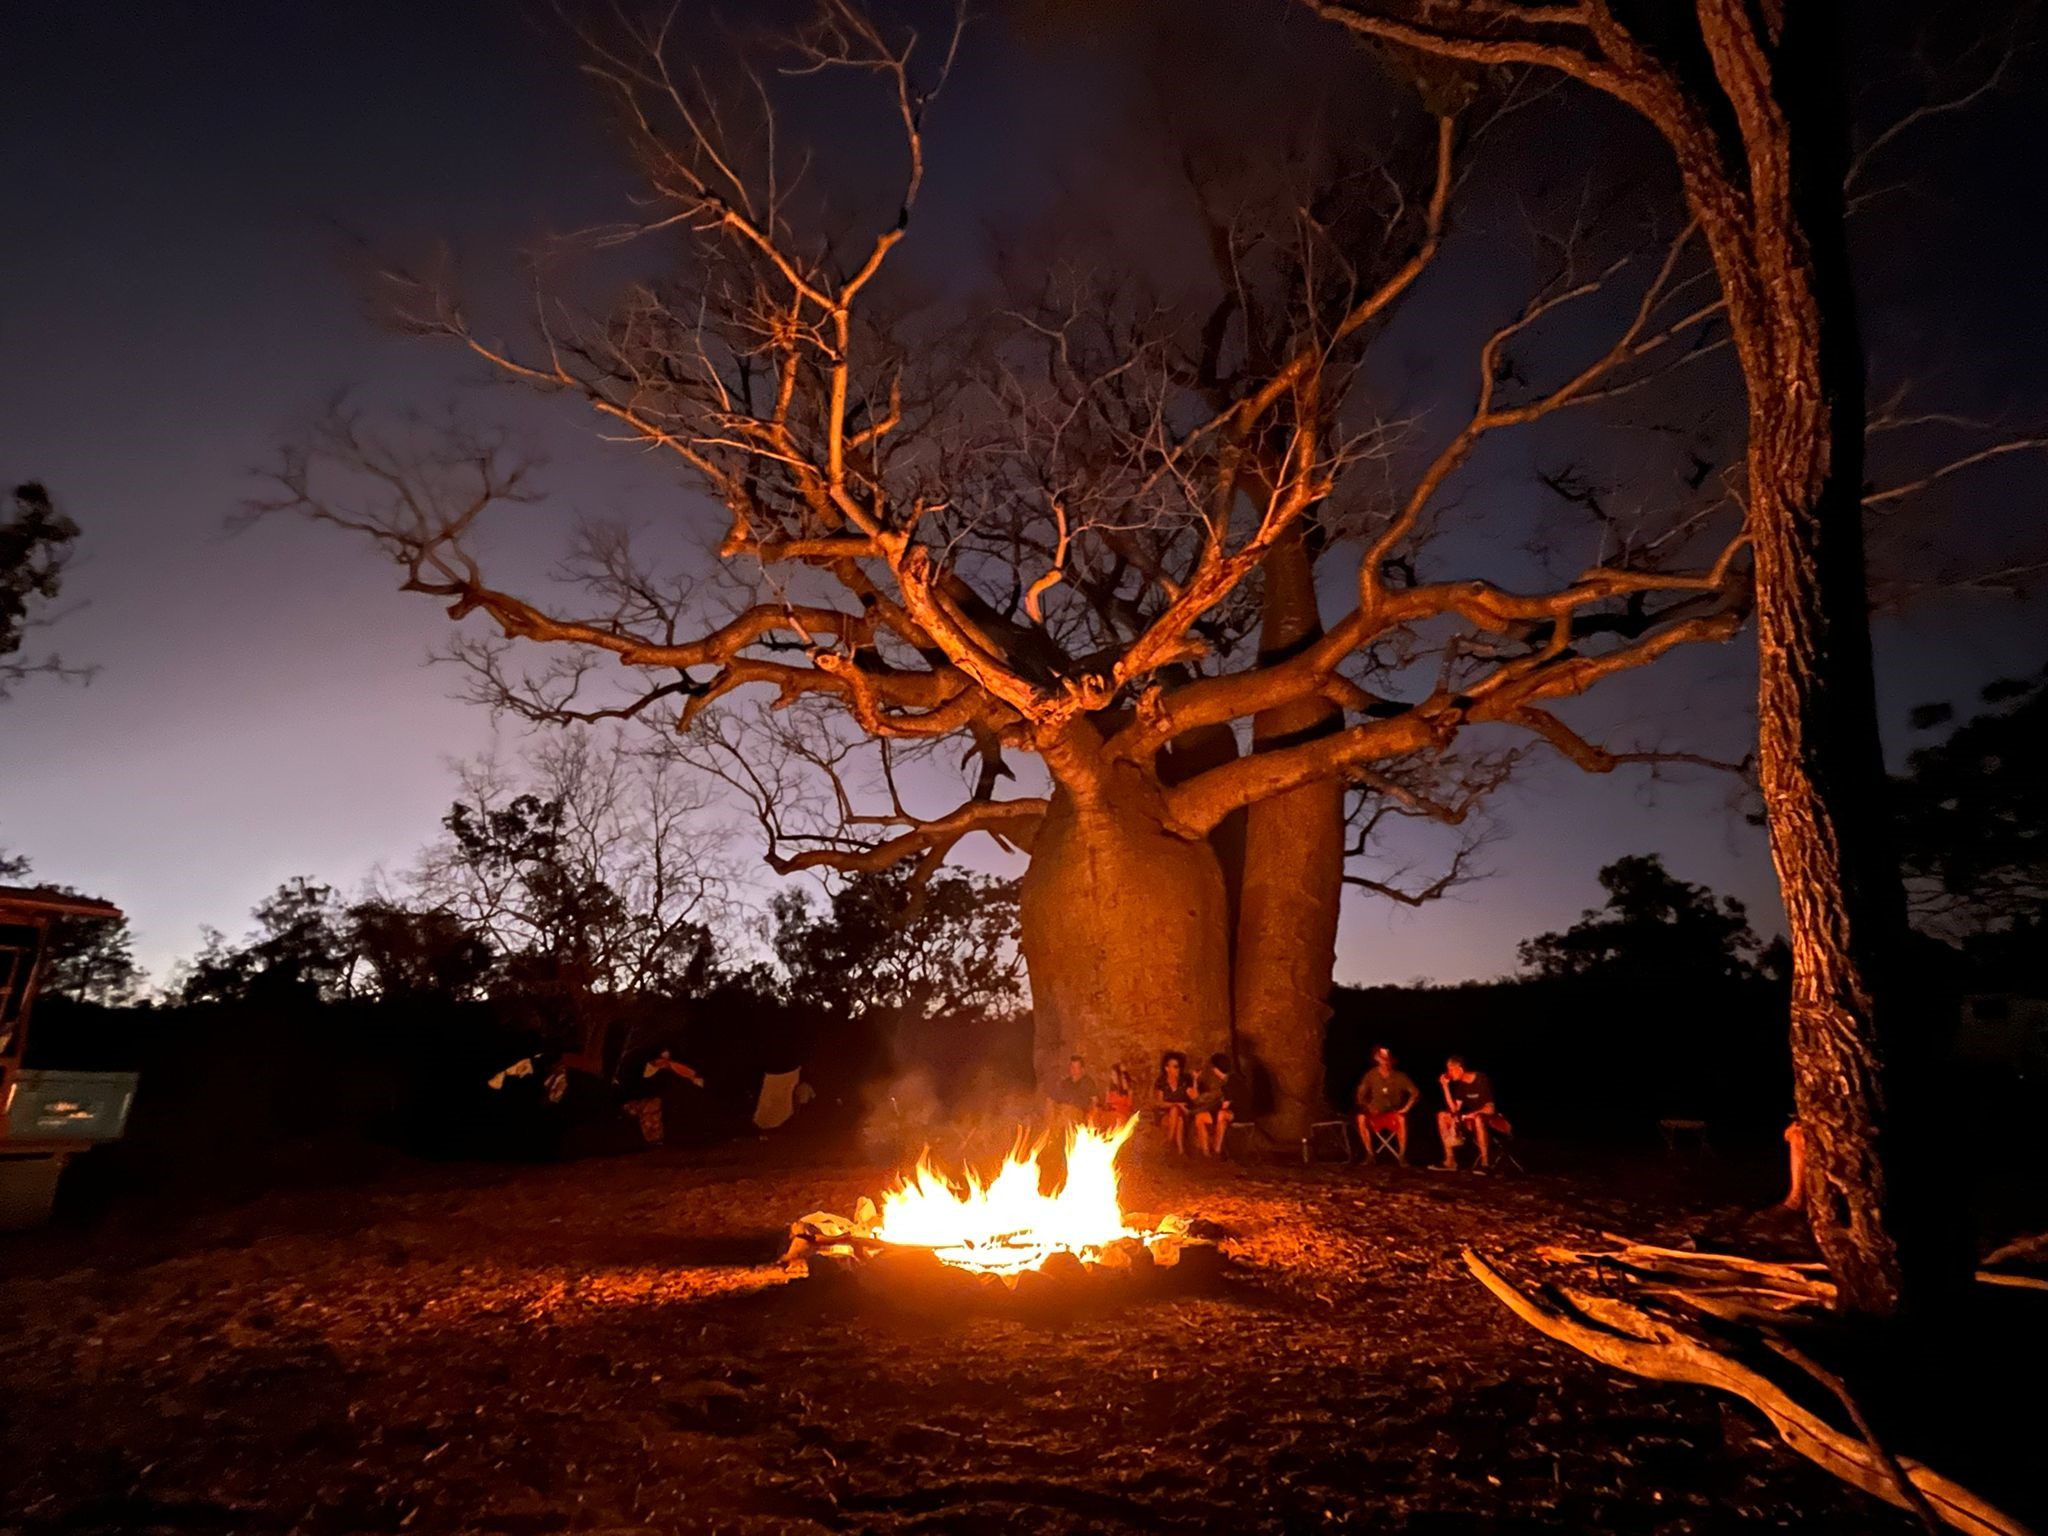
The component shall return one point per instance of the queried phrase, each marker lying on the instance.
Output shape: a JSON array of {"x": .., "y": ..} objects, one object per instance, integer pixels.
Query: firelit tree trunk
[
  {"x": 1856, "y": 1047},
  {"x": 1293, "y": 880},
  {"x": 1194, "y": 753},
  {"x": 1126, "y": 936}
]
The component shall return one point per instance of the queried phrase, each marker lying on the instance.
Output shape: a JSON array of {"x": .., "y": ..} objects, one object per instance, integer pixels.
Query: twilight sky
[{"x": 184, "y": 181}]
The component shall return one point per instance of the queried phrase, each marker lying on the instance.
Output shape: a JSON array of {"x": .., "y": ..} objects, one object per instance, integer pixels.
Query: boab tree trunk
[
  {"x": 1126, "y": 933},
  {"x": 1293, "y": 878}
]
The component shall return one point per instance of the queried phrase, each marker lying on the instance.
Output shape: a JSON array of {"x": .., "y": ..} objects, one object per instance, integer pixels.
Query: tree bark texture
[
  {"x": 1293, "y": 881},
  {"x": 1783, "y": 259},
  {"x": 1126, "y": 935}
]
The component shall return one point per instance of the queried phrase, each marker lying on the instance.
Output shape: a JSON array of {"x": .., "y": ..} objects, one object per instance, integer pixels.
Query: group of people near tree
[
  {"x": 1386, "y": 1095},
  {"x": 1182, "y": 1100},
  {"x": 1204, "y": 1102}
]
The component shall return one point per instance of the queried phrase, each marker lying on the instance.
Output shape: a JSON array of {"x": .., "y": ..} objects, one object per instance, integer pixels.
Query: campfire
[
  {"x": 1010, "y": 1224},
  {"x": 1009, "y": 1228}
]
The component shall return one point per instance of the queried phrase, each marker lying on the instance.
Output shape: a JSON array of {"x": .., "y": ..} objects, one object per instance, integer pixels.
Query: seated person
[
  {"x": 1173, "y": 1094},
  {"x": 680, "y": 1090},
  {"x": 1071, "y": 1096},
  {"x": 661, "y": 1061},
  {"x": 1213, "y": 1111},
  {"x": 1468, "y": 1110},
  {"x": 1117, "y": 1099},
  {"x": 1384, "y": 1097}
]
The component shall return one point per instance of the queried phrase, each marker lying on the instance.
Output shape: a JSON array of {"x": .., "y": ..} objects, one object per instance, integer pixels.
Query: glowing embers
[{"x": 934, "y": 1236}]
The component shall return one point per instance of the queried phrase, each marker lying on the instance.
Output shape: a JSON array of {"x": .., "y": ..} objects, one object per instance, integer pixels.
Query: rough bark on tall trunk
[
  {"x": 1784, "y": 267},
  {"x": 1293, "y": 879},
  {"x": 1125, "y": 933},
  {"x": 1762, "y": 150}
]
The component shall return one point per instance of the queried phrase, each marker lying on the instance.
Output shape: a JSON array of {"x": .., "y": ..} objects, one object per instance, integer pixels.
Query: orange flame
[{"x": 1009, "y": 1224}]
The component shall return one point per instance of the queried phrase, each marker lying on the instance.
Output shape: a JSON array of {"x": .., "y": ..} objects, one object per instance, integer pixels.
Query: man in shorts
[
  {"x": 1384, "y": 1097},
  {"x": 1468, "y": 1110}
]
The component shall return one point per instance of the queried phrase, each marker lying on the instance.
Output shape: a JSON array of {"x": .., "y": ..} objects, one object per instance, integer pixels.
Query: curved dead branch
[{"x": 1616, "y": 1334}]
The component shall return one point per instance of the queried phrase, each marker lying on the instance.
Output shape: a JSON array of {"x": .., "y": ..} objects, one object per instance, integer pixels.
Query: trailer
[{"x": 46, "y": 1118}]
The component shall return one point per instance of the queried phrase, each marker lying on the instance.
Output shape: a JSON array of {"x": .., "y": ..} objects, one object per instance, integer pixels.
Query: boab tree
[
  {"x": 1086, "y": 538},
  {"x": 1749, "y": 98}
]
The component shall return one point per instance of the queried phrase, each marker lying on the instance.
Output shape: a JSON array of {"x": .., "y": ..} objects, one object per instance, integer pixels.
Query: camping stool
[
  {"x": 1503, "y": 1147},
  {"x": 1327, "y": 1141},
  {"x": 1504, "y": 1158},
  {"x": 1684, "y": 1135},
  {"x": 1385, "y": 1141},
  {"x": 1232, "y": 1137}
]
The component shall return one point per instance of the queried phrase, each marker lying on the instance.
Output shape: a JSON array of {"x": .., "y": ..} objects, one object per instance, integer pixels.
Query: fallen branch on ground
[
  {"x": 1789, "y": 1282},
  {"x": 1629, "y": 1339}
]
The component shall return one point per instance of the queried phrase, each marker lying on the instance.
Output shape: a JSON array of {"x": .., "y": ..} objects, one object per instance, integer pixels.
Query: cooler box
[
  {"x": 46, "y": 1118},
  {"x": 66, "y": 1106}
]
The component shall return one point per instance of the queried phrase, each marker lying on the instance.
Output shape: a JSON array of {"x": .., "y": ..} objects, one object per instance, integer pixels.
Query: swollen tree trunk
[
  {"x": 1126, "y": 936},
  {"x": 1196, "y": 752},
  {"x": 1293, "y": 880},
  {"x": 1856, "y": 1047}
]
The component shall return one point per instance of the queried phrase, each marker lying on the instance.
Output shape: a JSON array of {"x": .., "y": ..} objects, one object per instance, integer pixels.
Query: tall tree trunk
[
  {"x": 1125, "y": 934},
  {"x": 1196, "y": 752},
  {"x": 1286, "y": 936},
  {"x": 1856, "y": 1047}
]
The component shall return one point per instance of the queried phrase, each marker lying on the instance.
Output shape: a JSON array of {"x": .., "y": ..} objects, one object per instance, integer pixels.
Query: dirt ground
[{"x": 608, "y": 1347}]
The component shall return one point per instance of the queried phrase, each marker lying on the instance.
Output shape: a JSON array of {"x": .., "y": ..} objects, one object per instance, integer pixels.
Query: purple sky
[{"x": 182, "y": 183}]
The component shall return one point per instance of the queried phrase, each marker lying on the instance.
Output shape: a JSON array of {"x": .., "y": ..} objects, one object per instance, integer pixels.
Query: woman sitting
[
  {"x": 1173, "y": 1093},
  {"x": 1213, "y": 1108},
  {"x": 1117, "y": 1099}
]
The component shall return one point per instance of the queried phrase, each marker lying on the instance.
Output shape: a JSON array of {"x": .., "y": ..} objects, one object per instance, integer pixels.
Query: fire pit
[{"x": 933, "y": 1235}]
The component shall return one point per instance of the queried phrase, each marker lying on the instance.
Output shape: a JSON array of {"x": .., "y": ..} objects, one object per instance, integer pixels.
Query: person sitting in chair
[
  {"x": 1115, "y": 1106},
  {"x": 1213, "y": 1110},
  {"x": 1384, "y": 1097},
  {"x": 1070, "y": 1099},
  {"x": 1468, "y": 1110},
  {"x": 1173, "y": 1091}
]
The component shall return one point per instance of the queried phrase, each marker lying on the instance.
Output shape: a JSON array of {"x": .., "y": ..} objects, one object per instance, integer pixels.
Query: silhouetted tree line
[
  {"x": 1661, "y": 1003},
  {"x": 1973, "y": 819},
  {"x": 578, "y": 907},
  {"x": 575, "y": 911},
  {"x": 1664, "y": 1003}
]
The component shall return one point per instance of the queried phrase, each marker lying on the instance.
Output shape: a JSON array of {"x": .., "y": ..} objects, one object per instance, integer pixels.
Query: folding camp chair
[
  {"x": 1683, "y": 1136},
  {"x": 1327, "y": 1141},
  {"x": 1504, "y": 1158},
  {"x": 1237, "y": 1135},
  {"x": 1382, "y": 1140},
  {"x": 780, "y": 1095},
  {"x": 1502, "y": 1146}
]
